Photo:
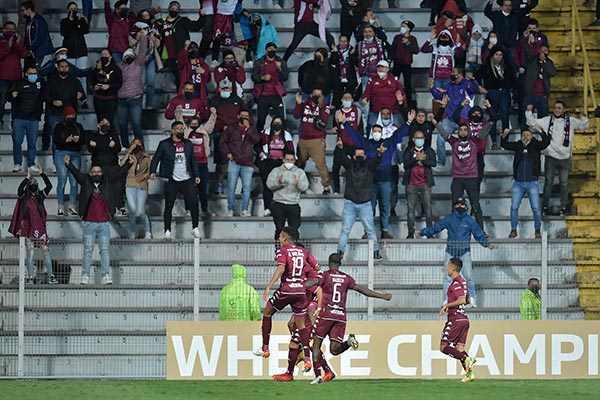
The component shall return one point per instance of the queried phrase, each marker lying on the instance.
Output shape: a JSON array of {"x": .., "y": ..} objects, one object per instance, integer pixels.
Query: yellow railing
[{"x": 588, "y": 84}]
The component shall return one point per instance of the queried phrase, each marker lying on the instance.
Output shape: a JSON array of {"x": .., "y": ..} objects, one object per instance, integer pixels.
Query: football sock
[
  {"x": 292, "y": 357},
  {"x": 462, "y": 361},
  {"x": 266, "y": 331},
  {"x": 324, "y": 365},
  {"x": 317, "y": 365},
  {"x": 304, "y": 334},
  {"x": 345, "y": 346},
  {"x": 452, "y": 352}
]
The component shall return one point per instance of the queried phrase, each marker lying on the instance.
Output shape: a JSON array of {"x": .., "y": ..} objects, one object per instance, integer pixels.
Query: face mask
[
  {"x": 188, "y": 95},
  {"x": 493, "y": 41},
  {"x": 453, "y": 78},
  {"x": 535, "y": 289},
  {"x": 403, "y": 31},
  {"x": 271, "y": 53},
  {"x": 343, "y": 46},
  {"x": 104, "y": 60},
  {"x": 129, "y": 60},
  {"x": 173, "y": 14},
  {"x": 372, "y": 21},
  {"x": 225, "y": 95},
  {"x": 347, "y": 103},
  {"x": 123, "y": 13},
  {"x": 193, "y": 54},
  {"x": 444, "y": 43},
  {"x": 288, "y": 165},
  {"x": 386, "y": 122},
  {"x": 63, "y": 73},
  {"x": 104, "y": 128},
  {"x": 276, "y": 127},
  {"x": 360, "y": 158},
  {"x": 194, "y": 127},
  {"x": 377, "y": 136},
  {"x": 381, "y": 75},
  {"x": 477, "y": 36},
  {"x": 477, "y": 118},
  {"x": 497, "y": 60},
  {"x": 368, "y": 40},
  {"x": 318, "y": 60},
  {"x": 241, "y": 120},
  {"x": 96, "y": 178},
  {"x": 8, "y": 34},
  {"x": 32, "y": 78},
  {"x": 460, "y": 210},
  {"x": 70, "y": 120},
  {"x": 179, "y": 135},
  {"x": 230, "y": 63},
  {"x": 62, "y": 56},
  {"x": 420, "y": 142},
  {"x": 315, "y": 99}
]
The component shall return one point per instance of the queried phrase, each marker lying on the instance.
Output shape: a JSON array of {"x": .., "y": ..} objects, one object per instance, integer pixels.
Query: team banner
[{"x": 399, "y": 349}]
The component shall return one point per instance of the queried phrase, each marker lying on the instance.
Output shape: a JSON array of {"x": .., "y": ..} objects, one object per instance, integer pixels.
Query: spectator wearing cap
[
  {"x": 27, "y": 98},
  {"x": 193, "y": 68},
  {"x": 131, "y": 93},
  {"x": 175, "y": 31},
  {"x": 106, "y": 79},
  {"x": 304, "y": 24},
  {"x": 73, "y": 29},
  {"x": 384, "y": 91},
  {"x": 404, "y": 47},
  {"x": 37, "y": 35},
  {"x": 69, "y": 139},
  {"x": 63, "y": 89},
  {"x": 268, "y": 74},
  {"x": 119, "y": 22},
  {"x": 186, "y": 104},
  {"x": 370, "y": 52},
  {"x": 12, "y": 50},
  {"x": 459, "y": 226},
  {"x": 231, "y": 70},
  {"x": 51, "y": 66}
]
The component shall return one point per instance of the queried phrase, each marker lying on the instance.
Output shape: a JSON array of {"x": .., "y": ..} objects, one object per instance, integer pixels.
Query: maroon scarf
[{"x": 343, "y": 65}]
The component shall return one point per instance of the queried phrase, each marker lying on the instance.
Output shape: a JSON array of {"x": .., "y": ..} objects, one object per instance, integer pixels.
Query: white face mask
[
  {"x": 288, "y": 165},
  {"x": 382, "y": 75},
  {"x": 377, "y": 136},
  {"x": 493, "y": 41}
]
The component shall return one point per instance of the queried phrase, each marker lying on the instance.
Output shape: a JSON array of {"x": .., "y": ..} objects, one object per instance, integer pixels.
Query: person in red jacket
[
  {"x": 119, "y": 23},
  {"x": 186, "y": 104},
  {"x": 193, "y": 68},
  {"x": 231, "y": 70},
  {"x": 384, "y": 90},
  {"x": 404, "y": 47},
  {"x": 12, "y": 50},
  {"x": 313, "y": 114}
]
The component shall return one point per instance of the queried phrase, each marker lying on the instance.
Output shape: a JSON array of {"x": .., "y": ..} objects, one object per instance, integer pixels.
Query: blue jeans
[
  {"x": 118, "y": 57},
  {"x": 62, "y": 173},
  {"x": 235, "y": 171},
  {"x": 88, "y": 9},
  {"x": 91, "y": 232},
  {"x": 364, "y": 212},
  {"x": 29, "y": 257},
  {"x": 466, "y": 272},
  {"x": 81, "y": 63},
  {"x": 449, "y": 126},
  {"x": 381, "y": 191},
  {"x": 22, "y": 128},
  {"x": 533, "y": 192},
  {"x": 49, "y": 124},
  {"x": 149, "y": 76},
  {"x": 441, "y": 83},
  {"x": 129, "y": 111},
  {"x": 136, "y": 206},
  {"x": 500, "y": 100},
  {"x": 540, "y": 103}
]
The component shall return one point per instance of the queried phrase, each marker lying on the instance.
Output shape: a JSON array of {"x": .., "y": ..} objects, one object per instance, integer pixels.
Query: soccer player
[
  {"x": 332, "y": 318},
  {"x": 293, "y": 265},
  {"x": 454, "y": 335}
]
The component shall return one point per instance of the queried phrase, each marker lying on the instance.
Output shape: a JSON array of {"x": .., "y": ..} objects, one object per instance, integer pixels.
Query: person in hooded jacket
[
  {"x": 264, "y": 32},
  {"x": 238, "y": 301}
]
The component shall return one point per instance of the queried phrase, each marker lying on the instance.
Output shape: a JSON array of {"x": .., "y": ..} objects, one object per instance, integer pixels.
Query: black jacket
[
  {"x": 334, "y": 68},
  {"x": 547, "y": 70},
  {"x": 182, "y": 26},
  {"x": 507, "y": 27},
  {"x": 73, "y": 32},
  {"x": 311, "y": 75},
  {"x": 109, "y": 74},
  {"x": 65, "y": 90},
  {"x": 410, "y": 161},
  {"x": 102, "y": 153},
  {"x": 359, "y": 178},
  {"x": 29, "y": 102},
  {"x": 534, "y": 148},
  {"x": 487, "y": 77},
  {"x": 165, "y": 155},
  {"x": 65, "y": 129},
  {"x": 87, "y": 188}
]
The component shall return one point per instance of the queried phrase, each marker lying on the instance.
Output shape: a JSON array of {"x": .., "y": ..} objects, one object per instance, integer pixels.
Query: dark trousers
[
  {"x": 459, "y": 186},
  {"x": 394, "y": 193},
  {"x": 171, "y": 63},
  {"x": 265, "y": 104},
  {"x": 203, "y": 186},
  {"x": 406, "y": 71},
  {"x": 552, "y": 167},
  {"x": 265, "y": 167},
  {"x": 500, "y": 100},
  {"x": 207, "y": 33},
  {"x": 348, "y": 24},
  {"x": 106, "y": 109},
  {"x": 190, "y": 196},
  {"x": 301, "y": 29},
  {"x": 338, "y": 156},
  {"x": 282, "y": 212},
  {"x": 117, "y": 183},
  {"x": 480, "y": 168}
]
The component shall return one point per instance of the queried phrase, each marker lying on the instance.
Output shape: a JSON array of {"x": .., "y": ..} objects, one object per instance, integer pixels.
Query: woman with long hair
[{"x": 136, "y": 187}]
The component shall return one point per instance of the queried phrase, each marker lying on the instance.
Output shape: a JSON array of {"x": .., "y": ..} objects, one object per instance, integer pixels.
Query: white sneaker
[
  {"x": 85, "y": 279},
  {"x": 34, "y": 168},
  {"x": 318, "y": 380},
  {"x": 230, "y": 213},
  {"x": 245, "y": 213},
  {"x": 214, "y": 64},
  {"x": 277, "y": 7},
  {"x": 249, "y": 64},
  {"x": 148, "y": 235},
  {"x": 17, "y": 168},
  {"x": 473, "y": 303},
  {"x": 107, "y": 279},
  {"x": 196, "y": 233},
  {"x": 267, "y": 213},
  {"x": 439, "y": 168},
  {"x": 168, "y": 235}
]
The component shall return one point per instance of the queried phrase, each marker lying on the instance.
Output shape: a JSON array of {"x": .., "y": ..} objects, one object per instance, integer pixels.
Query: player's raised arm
[
  {"x": 371, "y": 293},
  {"x": 276, "y": 276}
]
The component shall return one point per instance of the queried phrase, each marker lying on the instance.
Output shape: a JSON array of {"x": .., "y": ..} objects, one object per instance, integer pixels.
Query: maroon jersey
[
  {"x": 456, "y": 290},
  {"x": 298, "y": 263},
  {"x": 335, "y": 285}
]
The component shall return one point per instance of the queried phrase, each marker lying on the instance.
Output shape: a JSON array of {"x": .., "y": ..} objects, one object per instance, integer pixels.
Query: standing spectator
[
  {"x": 186, "y": 105},
  {"x": 526, "y": 171},
  {"x": 597, "y": 21},
  {"x": 26, "y": 96},
  {"x": 526, "y": 6},
  {"x": 264, "y": 32},
  {"x": 29, "y": 221},
  {"x": 342, "y": 65},
  {"x": 237, "y": 143},
  {"x": 286, "y": 182},
  {"x": 506, "y": 23},
  {"x": 147, "y": 25},
  {"x": 268, "y": 75},
  {"x": 531, "y": 301},
  {"x": 458, "y": 23},
  {"x": 475, "y": 50},
  {"x": 384, "y": 91},
  {"x": 313, "y": 115},
  {"x": 438, "y": 5},
  {"x": 239, "y": 301},
  {"x": 131, "y": 93},
  {"x": 304, "y": 24},
  {"x": 488, "y": 45},
  {"x": 63, "y": 89},
  {"x": 106, "y": 80},
  {"x": 370, "y": 19},
  {"x": 443, "y": 49},
  {"x": 537, "y": 82},
  {"x": 459, "y": 226},
  {"x": 104, "y": 144},
  {"x": 22, "y": 27},
  {"x": 12, "y": 50},
  {"x": 223, "y": 25},
  {"x": 421, "y": 123},
  {"x": 207, "y": 12},
  {"x": 180, "y": 172},
  {"x": 37, "y": 36},
  {"x": 316, "y": 73},
  {"x": 357, "y": 196},
  {"x": 96, "y": 207},
  {"x": 370, "y": 52},
  {"x": 418, "y": 160},
  {"x": 561, "y": 128},
  {"x": 68, "y": 137},
  {"x": 73, "y": 30},
  {"x": 119, "y": 22},
  {"x": 275, "y": 141},
  {"x": 231, "y": 70},
  {"x": 193, "y": 68},
  {"x": 175, "y": 31},
  {"x": 404, "y": 47},
  {"x": 136, "y": 187},
  {"x": 344, "y": 144},
  {"x": 351, "y": 15}
]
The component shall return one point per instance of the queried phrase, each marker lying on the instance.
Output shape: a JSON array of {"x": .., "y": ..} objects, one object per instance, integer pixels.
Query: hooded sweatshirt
[
  {"x": 475, "y": 47},
  {"x": 238, "y": 300},
  {"x": 266, "y": 34},
  {"x": 442, "y": 58},
  {"x": 460, "y": 26}
]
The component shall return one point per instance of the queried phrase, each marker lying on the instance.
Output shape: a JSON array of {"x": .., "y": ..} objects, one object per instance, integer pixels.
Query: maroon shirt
[
  {"x": 417, "y": 172},
  {"x": 270, "y": 86},
  {"x": 335, "y": 285},
  {"x": 98, "y": 208},
  {"x": 352, "y": 118},
  {"x": 297, "y": 262},
  {"x": 456, "y": 290},
  {"x": 306, "y": 111}
]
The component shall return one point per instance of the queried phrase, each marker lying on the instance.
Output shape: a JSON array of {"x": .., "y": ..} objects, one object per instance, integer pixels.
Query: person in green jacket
[
  {"x": 531, "y": 301},
  {"x": 238, "y": 300}
]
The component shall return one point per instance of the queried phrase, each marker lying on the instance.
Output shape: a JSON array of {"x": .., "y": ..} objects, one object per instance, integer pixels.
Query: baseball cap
[
  {"x": 69, "y": 110},
  {"x": 225, "y": 84},
  {"x": 461, "y": 200},
  {"x": 383, "y": 63}
]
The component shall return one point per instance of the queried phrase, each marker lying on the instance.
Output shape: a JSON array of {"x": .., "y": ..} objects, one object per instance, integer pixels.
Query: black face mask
[
  {"x": 179, "y": 135},
  {"x": 360, "y": 158},
  {"x": 96, "y": 178},
  {"x": 129, "y": 60},
  {"x": 70, "y": 120},
  {"x": 73, "y": 13},
  {"x": 241, "y": 120},
  {"x": 444, "y": 43},
  {"x": 315, "y": 99},
  {"x": 460, "y": 210},
  {"x": 477, "y": 118},
  {"x": 535, "y": 289},
  {"x": 194, "y": 127},
  {"x": 123, "y": 13},
  {"x": 271, "y": 53},
  {"x": 188, "y": 95},
  {"x": 33, "y": 187},
  {"x": 104, "y": 60},
  {"x": 104, "y": 128},
  {"x": 318, "y": 60},
  {"x": 63, "y": 73},
  {"x": 193, "y": 54},
  {"x": 453, "y": 78},
  {"x": 276, "y": 127},
  {"x": 173, "y": 14}
]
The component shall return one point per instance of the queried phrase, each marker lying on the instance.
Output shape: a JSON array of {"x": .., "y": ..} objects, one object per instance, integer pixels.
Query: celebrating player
[
  {"x": 332, "y": 318},
  {"x": 456, "y": 329}
]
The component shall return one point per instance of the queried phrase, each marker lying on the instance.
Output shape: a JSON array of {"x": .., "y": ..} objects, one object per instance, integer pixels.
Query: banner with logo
[{"x": 399, "y": 349}]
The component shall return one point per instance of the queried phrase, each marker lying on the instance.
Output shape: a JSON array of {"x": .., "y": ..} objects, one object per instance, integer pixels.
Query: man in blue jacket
[
  {"x": 460, "y": 226},
  {"x": 178, "y": 167},
  {"x": 37, "y": 36}
]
